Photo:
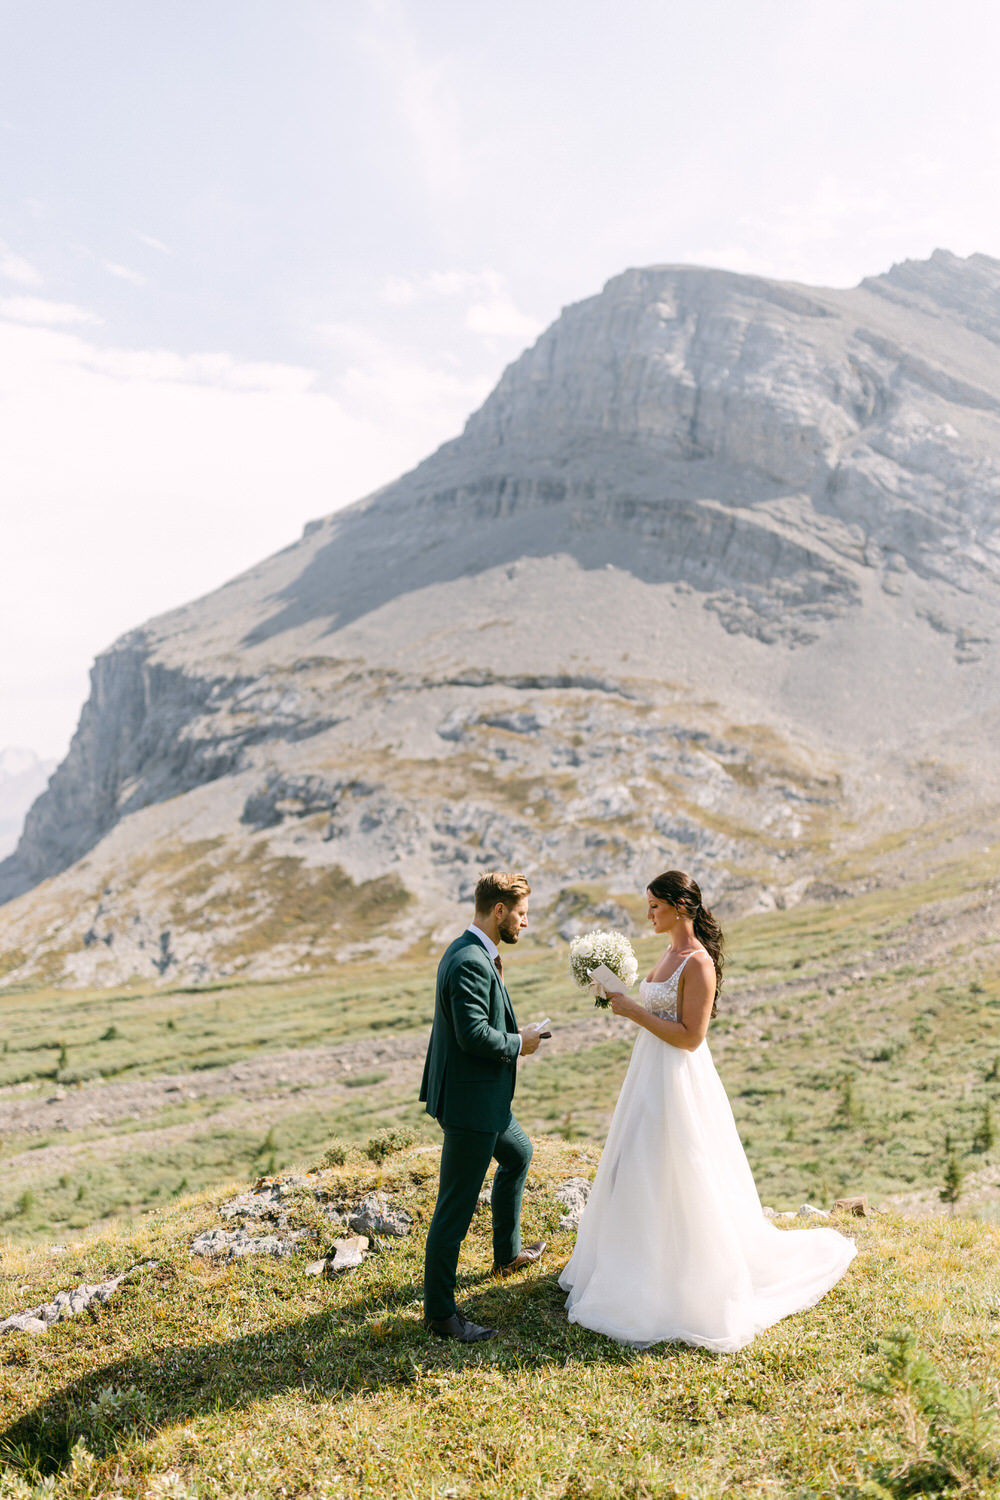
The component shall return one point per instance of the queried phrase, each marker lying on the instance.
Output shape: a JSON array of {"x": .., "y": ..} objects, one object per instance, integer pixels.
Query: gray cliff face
[
  {"x": 131, "y": 733},
  {"x": 700, "y": 500},
  {"x": 879, "y": 405},
  {"x": 147, "y": 733},
  {"x": 758, "y": 441}
]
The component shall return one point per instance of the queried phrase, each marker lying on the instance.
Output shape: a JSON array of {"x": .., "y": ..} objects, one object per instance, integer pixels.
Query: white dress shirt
[{"x": 494, "y": 953}]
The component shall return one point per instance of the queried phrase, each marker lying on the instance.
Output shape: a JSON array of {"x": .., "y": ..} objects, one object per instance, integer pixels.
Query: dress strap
[{"x": 675, "y": 976}]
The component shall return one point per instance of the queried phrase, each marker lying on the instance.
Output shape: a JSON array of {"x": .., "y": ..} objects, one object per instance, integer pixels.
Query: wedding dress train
[{"x": 673, "y": 1243}]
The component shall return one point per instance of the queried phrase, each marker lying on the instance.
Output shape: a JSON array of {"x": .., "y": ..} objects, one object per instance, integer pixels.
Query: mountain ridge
[{"x": 734, "y": 503}]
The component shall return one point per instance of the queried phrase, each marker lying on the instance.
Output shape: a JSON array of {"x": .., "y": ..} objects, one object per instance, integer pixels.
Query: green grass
[
  {"x": 255, "y": 1380},
  {"x": 172, "y": 1030},
  {"x": 854, "y": 1051},
  {"x": 839, "y": 1083}
]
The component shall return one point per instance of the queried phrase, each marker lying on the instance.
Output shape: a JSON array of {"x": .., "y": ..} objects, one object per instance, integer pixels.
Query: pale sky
[{"x": 258, "y": 257}]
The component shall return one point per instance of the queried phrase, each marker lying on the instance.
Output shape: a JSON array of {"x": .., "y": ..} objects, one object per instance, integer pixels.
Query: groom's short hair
[{"x": 501, "y": 886}]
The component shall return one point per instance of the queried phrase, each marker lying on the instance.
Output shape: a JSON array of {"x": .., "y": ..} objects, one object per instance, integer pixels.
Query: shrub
[
  {"x": 952, "y": 1190},
  {"x": 985, "y": 1135},
  {"x": 953, "y": 1431},
  {"x": 385, "y": 1142},
  {"x": 335, "y": 1154},
  {"x": 847, "y": 1109},
  {"x": 362, "y": 1080}
]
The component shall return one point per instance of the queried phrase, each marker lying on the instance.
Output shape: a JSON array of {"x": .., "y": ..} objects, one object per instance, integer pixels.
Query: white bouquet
[{"x": 594, "y": 949}]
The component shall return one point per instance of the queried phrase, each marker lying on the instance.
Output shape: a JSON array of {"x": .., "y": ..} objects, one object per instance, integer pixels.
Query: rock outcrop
[
  {"x": 23, "y": 777},
  {"x": 712, "y": 547}
]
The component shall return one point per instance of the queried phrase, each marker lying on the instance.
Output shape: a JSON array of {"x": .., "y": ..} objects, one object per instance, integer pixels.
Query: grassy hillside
[
  {"x": 857, "y": 1037},
  {"x": 256, "y": 1380}
]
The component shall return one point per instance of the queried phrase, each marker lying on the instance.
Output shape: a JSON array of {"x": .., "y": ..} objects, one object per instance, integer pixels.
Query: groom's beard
[{"x": 509, "y": 933}]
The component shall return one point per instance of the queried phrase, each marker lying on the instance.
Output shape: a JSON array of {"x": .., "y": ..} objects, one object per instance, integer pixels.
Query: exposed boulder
[
  {"x": 573, "y": 1194},
  {"x": 68, "y": 1304}
]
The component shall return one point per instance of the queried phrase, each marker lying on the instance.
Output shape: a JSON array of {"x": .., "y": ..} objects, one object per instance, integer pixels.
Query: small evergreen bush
[
  {"x": 952, "y": 1190},
  {"x": 385, "y": 1142},
  {"x": 953, "y": 1431},
  {"x": 985, "y": 1136}
]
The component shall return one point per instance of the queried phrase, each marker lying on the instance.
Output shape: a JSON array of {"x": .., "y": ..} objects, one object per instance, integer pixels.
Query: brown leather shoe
[
  {"x": 527, "y": 1257},
  {"x": 458, "y": 1326}
]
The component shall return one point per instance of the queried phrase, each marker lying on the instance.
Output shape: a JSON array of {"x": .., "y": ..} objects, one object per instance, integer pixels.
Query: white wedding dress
[{"x": 673, "y": 1243}]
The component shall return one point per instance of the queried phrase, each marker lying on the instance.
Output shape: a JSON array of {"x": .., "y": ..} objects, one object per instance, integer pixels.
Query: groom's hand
[{"x": 529, "y": 1040}]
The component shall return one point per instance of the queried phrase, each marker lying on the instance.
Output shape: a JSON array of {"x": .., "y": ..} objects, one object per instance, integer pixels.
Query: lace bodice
[{"x": 659, "y": 996}]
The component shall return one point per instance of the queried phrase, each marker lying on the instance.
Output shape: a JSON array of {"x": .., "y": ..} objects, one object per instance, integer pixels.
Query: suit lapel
[{"x": 508, "y": 1007}]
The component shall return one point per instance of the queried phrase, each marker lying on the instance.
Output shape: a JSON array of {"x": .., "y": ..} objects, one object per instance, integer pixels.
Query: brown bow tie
[{"x": 498, "y": 961}]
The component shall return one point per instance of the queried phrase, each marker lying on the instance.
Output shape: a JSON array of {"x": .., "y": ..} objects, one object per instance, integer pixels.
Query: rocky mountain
[
  {"x": 23, "y": 777},
  {"x": 711, "y": 580}
]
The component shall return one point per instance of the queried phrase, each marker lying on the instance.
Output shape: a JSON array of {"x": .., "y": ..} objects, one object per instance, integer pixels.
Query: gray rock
[
  {"x": 24, "y": 1323},
  {"x": 810, "y": 1211},
  {"x": 22, "y": 779},
  {"x": 858, "y": 1207},
  {"x": 68, "y": 1304},
  {"x": 233, "y": 1244},
  {"x": 373, "y": 1215},
  {"x": 346, "y": 1255},
  {"x": 260, "y": 1203},
  {"x": 573, "y": 1194}
]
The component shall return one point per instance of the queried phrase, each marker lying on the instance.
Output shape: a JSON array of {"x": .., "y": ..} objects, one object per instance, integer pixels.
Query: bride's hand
[{"x": 621, "y": 1005}]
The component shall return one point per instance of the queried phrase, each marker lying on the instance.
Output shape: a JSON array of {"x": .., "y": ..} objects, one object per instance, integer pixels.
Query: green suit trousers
[{"x": 465, "y": 1157}]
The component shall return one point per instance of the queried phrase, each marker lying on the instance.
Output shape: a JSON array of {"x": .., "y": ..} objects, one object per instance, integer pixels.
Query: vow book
[{"x": 608, "y": 981}]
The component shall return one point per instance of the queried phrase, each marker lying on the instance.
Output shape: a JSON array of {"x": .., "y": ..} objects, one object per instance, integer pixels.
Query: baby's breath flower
[{"x": 611, "y": 948}]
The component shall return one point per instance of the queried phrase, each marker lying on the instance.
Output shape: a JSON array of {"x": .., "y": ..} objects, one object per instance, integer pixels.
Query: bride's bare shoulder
[{"x": 701, "y": 961}]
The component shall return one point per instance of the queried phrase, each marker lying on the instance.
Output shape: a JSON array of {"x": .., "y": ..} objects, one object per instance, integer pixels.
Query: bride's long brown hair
[{"x": 684, "y": 894}]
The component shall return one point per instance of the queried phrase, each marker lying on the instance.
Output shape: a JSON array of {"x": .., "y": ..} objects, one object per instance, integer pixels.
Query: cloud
[
  {"x": 16, "y": 268},
  {"x": 135, "y": 480},
  {"x": 400, "y": 291},
  {"x": 379, "y": 377},
  {"x": 490, "y": 309},
  {"x": 152, "y": 242},
  {"x": 46, "y": 314},
  {"x": 500, "y": 319},
  {"x": 124, "y": 273},
  {"x": 802, "y": 239},
  {"x": 422, "y": 94},
  {"x": 221, "y": 371}
]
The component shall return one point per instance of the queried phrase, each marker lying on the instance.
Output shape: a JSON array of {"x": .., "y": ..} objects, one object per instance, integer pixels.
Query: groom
[{"x": 468, "y": 1085}]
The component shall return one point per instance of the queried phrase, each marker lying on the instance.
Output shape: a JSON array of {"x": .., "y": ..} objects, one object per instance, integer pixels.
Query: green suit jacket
[{"x": 471, "y": 1065}]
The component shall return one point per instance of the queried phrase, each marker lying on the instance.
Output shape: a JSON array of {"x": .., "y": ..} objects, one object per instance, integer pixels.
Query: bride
[{"x": 673, "y": 1243}]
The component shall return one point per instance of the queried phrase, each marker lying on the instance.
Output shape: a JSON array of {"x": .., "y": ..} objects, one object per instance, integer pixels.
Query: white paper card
[{"x": 608, "y": 980}]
